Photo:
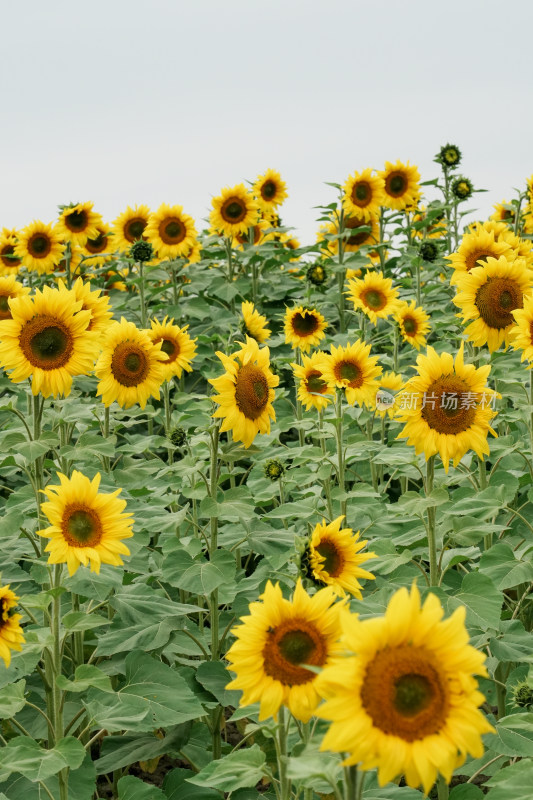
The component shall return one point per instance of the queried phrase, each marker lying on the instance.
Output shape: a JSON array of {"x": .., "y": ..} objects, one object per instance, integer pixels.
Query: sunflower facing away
[
  {"x": 521, "y": 334},
  {"x": 87, "y": 526},
  {"x": 334, "y": 558},
  {"x": 171, "y": 232},
  {"x": 234, "y": 211},
  {"x": 488, "y": 295},
  {"x": 406, "y": 701},
  {"x": 176, "y": 343},
  {"x": 245, "y": 392},
  {"x": 359, "y": 231},
  {"x": 275, "y": 640},
  {"x": 304, "y": 327},
  {"x": 78, "y": 222},
  {"x": 269, "y": 190},
  {"x": 374, "y": 295},
  {"x": 313, "y": 390},
  {"x": 363, "y": 194},
  {"x": 10, "y": 287},
  {"x": 448, "y": 407},
  {"x": 474, "y": 250},
  {"x": 99, "y": 249},
  {"x": 9, "y": 262},
  {"x": 129, "y": 366},
  {"x": 413, "y": 322},
  {"x": 129, "y": 227},
  {"x": 39, "y": 247},
  {"x": 353, "y": 369},
  {"x": 11, "y": 634},
  {"x": 401, "y": 185},
  {"x": 47, "y": 339},
  {"x": 254, "y": 323}
]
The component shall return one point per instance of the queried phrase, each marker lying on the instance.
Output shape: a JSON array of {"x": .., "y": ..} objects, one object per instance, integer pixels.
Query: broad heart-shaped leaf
[
  {"x": 319, "y": 771},
  {"x": 514, "y": 736},
  {"x": 482, "y": 600},
  {"x": 81, "y": 784},
  {"x": 176, "y": 787},
  {"x": 214, "y": 677},
  {"x": 80, "y": 621},
  {"x": 243, "y": 768},
  {"x": 481, "y": 504},
  {"x": 130, "y": 788},
  {"x": 12, "y": 699},
  {"x": 466, "y": 791},
  {"x": 120, "y": 751},
  {"x": 136, "y": 604},
  {"x": 501, "y": 566},
  {"x": 199, "y": 575},
  {"x": 86, "y": 675},
  {"x": 414, "y": 504},
  {"x": 24, "y": 755},
  {"x": 512, "y": 782},
  {"x": 513, "y": 644}
]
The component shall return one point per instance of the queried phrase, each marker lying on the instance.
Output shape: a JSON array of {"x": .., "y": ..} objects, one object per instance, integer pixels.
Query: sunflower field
[{"x": 266, "y": 524}]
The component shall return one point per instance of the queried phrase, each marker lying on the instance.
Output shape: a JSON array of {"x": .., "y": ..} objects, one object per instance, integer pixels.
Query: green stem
[
  {"x": 487, "y": 540},
  {"x": 106, "y": 459},
  {"x": 340, "y": 450},
  {"x": 442, "y": 789},
  {"x": 447, "y": 203},
  {"x": 381, "y": 238},
  {"x": 68, "y": 274},
  {"x": 299, "y": 413},
  {"x": 327, "y": 484},
  {"x": 341, "y": 275},
  {"x": 432, "y": 535},
  {"x": 56, "y": 665},
  {"x": 285, "y": 783},
  {"x": 168, "y": 418},
  {"x": 350, "y": 781},
  {"x": 370, "y": 437},
  {"x": 174, "y": 285},
  {"x": 418, "y": 281},
  {"x": 531, "y": 409},
  {"x": 229, "y": 255},
  {"x": 141, "y": 294},
  {"x": 395, "y": 351},
  {"x": 213, "y": 597}
]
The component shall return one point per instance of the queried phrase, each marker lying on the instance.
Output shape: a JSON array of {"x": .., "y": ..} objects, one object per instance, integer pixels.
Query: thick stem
[
  {"x": 341, "y": 275},
  {"x": 487, "y": 540},
  {"x": 442, "y": 789},
  {"x": 299, "y": 413},
  {"x": 418, "y": 281},
  {"x": 56, "y": 665},
  {"x": 213, "y": 597},
  {"x": 370, "y": 437},
  {"x": 395, "y": 351},
  {"x": 327, "y": 485},
  {"x": 340, "y": 450},
  {"x": 68, "y": 275},
  {"x": 141, "y": 294},
  {"x": 229, "y": 255},
  {"x": 285, "y": 783},
  {"x": 168, "y": 418},
  {"x": 432, "y": 535}
]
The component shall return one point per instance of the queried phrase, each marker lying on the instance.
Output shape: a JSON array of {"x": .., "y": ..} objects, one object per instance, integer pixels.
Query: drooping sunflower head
[
  {"x": 39, "y": 247},
  {"x": 449, "y": 156},
  {"x": 78, "y": 222},
  {"x": 304, "y": 327},
  {"x": 413, "y": 322},
  {"x": 99, "y": 249},
  {"x": 353, "y": 369},
  {"x": 402, "y": 187},
  {"x": 176, "y": 343},
  {"x": 171, "y": 231},
  {"x": 275, "y": 642},
  {"x": 9, "y": 262},
  {"x": 234, "y": 211},
  {"x": 363, "y": 194},
  {"x": 87, "y": 526},
  {"x": 374, "y": 295},
  {"x": 521, "y": 334},
  {"x": 387, "y": 399},
  {"x": 474, "y": 250},
  {"x": 10, "y": 287},
  {"x": 245, "y": 392},
  {"x": 333, "y": 558},
  {"x": 269, "y": 190},
  {"x": 359, "y": 232},
  {"x": 254, "y": 323},
  {"x": 129, "y": 227},
  {"x": 406, "y": 702},
  {"x": 313, "y": 389}
]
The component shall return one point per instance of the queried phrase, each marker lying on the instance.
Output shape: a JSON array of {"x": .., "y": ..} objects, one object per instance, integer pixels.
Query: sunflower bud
[
  {"x": 462, "y": 188},
  {"x": 317, "y": 274},
  {"x": 141, "y": 251},
  {"x": 274, "y": 469},
  {"x": 178, "y": 437},
  {"x": 523, "y": 694},
  {"x": 428, "y": 251},
  {"x": 449, "y": 156}
]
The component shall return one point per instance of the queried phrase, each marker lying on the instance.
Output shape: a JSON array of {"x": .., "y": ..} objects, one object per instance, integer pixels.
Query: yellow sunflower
[
  {"x": 87, "y": 526},
  {"x": 436, "y": 229},
  {"x": 47, "y": 339},
  {"x": 385, "y": 402},
  {"x": 521, "y": 334},
  {"x": 245, "y": 392},
  {"x": 402, "y": 189},
  {"x": 254, "y": 323},
  {"x": 374, "y": 295},
  {"x": 488, "y": 295},
  {"x": 129, "y": 366},
  {"x": 475, "y": 248},
  {"x": 39, "y": 247},
  {"x": 92, "y": 300},
  {"x": 273, "y": 644},
  {"x": 521, "y": 247},
  {"x": 447, "y": 407},
  {"x": 269, "y": 190},
  {"x": 406, "y": 701},
  {"x": 171, "y": 232},
  {"x": 78, "y": 222},
  {"x": 304, "y": 328},
  {"x": 176, "y": 343},
  {"x": 353, "y": 369},
  {"x": 503, "y": 212},
  {"x": 364, "y": 193},
  {"x": 413, "y": 322},
  {"x": 234, "y": 211},
  {"x": 313, "y": 391},
  {"x": 94, "y": 247},
  {"x": 129, "y": 227},
  {"x": 10, "y": 287},
  {"x": 9, "y": 262},
  {"x": 354, "y": 238},
  {"x": 11, "y": 634},
  {"x": 333, "y": 558},
  {"x": 260, "y": 236}
]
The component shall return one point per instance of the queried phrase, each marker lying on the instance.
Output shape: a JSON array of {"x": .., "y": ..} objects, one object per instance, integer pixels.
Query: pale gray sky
[{"x": 132, "y": 101}]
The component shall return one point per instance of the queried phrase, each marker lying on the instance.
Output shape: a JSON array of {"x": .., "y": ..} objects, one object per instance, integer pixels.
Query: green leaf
[
  {"x": 12, "y": 699},
  {"x": 122, "y": 639},
  {"x": 130, "y": 788},
  {"x": 466, "y": 791},
  {"x": 481, "y": 504},
  {"x": 137, "y": 603},
  {"x": 501, "y": 566},
  {"x": 240, "y": 769},
  {"x": 198, "y": 575},
  {"x": 80, "y": 621},
  {"x": 482, "y": 600},
  {"x": 514, "y": 736},
  {"x": 24, "y": 755},
  {"x": 414, "y": 504},
  {"x": 120, "y": 751},
  {"x": 214, "y": 677},
  {"x": 314, "y": 769},
  {"x": 176, "y": 787},
  {"x": 86, "y": 675},
  {"x": 512, "y": 782}
]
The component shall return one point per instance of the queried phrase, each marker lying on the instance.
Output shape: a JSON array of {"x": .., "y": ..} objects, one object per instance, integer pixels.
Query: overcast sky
[{"x": 150, "y": 101}]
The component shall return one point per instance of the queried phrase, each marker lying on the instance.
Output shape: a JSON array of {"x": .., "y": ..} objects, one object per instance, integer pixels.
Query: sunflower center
[
  {"x": 292, "y": 643},
  {"x": 358, "y": 238},
  {"x": 97, "y": 245},
  {"x": 444, "y": 409},
  {"x": 409, "y": 325},
  {"x": 496, "y": 299},
  {"x": 134, "y": 228},
  {"x": 46, "y": 342},
  {"x": 39, "y": 245},
  {"x": 361, "y": 194},
  {"x": 396, "y": 184},
  {"x": 7, "y": 253},
  {"x": 405, "y": 693},
  {"x": 268, "y": 190},
  {"x": 172, "y": 231},
  {"x": 251, "y": 391},
  {"x": 129, "y": 364},
  {"x": 304, "y": 324},
  {"x": 348, "y": 371},
  {"x": 77, "y": 221},
  {"x": 333, "y": 561},
  {"x": 233, "y": 210},
  {"x": 315, "y": 383},
  {"x": 471, "y": 261},
  {"x": 375, "y": 299},
  {"x": 81, "y": 526}
]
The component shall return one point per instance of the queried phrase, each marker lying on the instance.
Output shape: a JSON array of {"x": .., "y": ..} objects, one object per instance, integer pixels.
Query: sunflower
[
  {"x": 47, "y": 339},
  {"x": 384, "y": 402},
  {"x": 334, "y": 558},
  {"x": 129, "y": 366},
  {"x": 449, "y": 409},
  {"x": 9, "y": 262},
  {"x": 92, "y": 300},
  {"x": 475, "y": 248},
  {"x": 313, "y": 391},
  {"x": 11, "y": 634},
  {"x": 273, "y": 644},
  {"x": 503, "y": 212},
  {"x": 269, "y": 190},
  {"x": 364, "y": 193},
  {"x": 78, "y": 222},
  {"x": 449, "y": 156},
  {"x": 171, "y": 232},
  {"x": 304, "y": 327},
  {"x": 259, "y": 234},
  {"x": 374, "y": 295},
  {"x": 413, "y": 322},
  {"x": 254, "y": 323},
  {"x": 39, "y": 247},
  {"x": 129, "y": 227},
  {"x": 353, "y": 369},
  {"x": 488, "y": 295},
  {"x": 402, "y": 188},
  {"x": 429, "y": 227},
  {"x": 9, "y": 287},
  {"x": 521, "y": 334},
  {"x": 176, "y": 343},
  {"x": 234, "y": 211},
  {"x": 87, "y": 526},
  {"x": 406, "y": 701},
  {"x": 94, "y": 247},
  {"x": 245, "y": 392},
  {"x": 354, "y": 238}
]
